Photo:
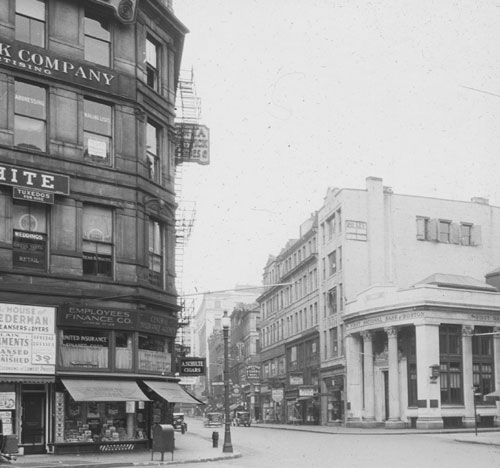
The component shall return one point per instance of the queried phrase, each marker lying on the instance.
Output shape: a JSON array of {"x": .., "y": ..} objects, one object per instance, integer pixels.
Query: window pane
[
  {"x": 151, "y": 53},
  {"x": 151, "y": 139},
  {"x": 30, "y": 100},
  {"x": 84, "y": 348},
  {"x": 31, "y": 8},
  {"x": 29, "y": 217},
  {"x": 97, "y": 148},
  {"x": 123, "y": 350},
  {"x": 96, "y": 27},
  {"x": 97, "y": 117},
  {"x": 97, "y": 51},
  {"x": 154, "y": 353},
  {"x": 29, "y": 133},
  {"x": 97, "y": 224}
]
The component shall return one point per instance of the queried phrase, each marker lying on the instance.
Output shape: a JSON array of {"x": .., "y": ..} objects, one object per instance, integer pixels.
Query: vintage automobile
[
  {"x": 179, "y": 423},
  {"x": 242, "y": 418},
  {"x": 213, "y": 419}
]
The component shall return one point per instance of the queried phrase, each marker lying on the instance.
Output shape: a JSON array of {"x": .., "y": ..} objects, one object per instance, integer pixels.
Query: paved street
[{"x": 266, "y": 448}]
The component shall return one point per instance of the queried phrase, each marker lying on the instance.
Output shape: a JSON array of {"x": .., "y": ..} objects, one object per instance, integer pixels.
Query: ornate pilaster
[{"x": 467, "y": 332}]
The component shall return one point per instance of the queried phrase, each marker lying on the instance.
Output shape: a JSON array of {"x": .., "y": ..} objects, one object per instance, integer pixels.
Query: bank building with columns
[{"x": 409, "y": 309}]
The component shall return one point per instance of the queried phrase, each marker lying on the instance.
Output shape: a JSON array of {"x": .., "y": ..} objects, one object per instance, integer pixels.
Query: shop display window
[
  {"x": 102, "y": 422},
  {"x": 155, "y": 353},
  {"x": 84, "y": 348}
]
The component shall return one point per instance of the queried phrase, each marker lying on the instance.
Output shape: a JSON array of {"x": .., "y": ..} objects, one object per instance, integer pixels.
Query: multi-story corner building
[
  {"x": 88, "y": 312},
  {"x": 374, "y": 239},
  {"x": 289, "y": 331}
]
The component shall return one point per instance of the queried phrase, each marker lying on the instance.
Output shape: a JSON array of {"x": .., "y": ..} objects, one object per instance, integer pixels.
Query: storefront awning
[
  {"x": 104, "y": 390},
  {"x": 172, "y": 392}
]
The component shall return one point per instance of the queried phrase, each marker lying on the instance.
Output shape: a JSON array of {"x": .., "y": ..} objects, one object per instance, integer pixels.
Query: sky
[{"x": 302, "y": 95}]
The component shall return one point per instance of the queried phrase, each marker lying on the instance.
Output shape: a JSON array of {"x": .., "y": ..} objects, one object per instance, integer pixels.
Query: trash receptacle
[{"x": 163, "y": 440}]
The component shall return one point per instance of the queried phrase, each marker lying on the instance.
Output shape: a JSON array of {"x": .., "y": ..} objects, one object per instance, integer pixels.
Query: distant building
[{"x": 378, "y": 247}]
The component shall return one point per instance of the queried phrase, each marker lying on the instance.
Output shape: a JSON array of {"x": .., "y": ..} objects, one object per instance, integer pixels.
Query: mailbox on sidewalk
[{"x": 163, "y": 440}]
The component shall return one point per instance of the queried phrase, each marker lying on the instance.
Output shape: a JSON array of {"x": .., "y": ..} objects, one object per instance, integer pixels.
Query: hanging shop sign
[
  {"x": 193, "y": 143},
  {"x": 27, "y": 339},
  {"x": 296, "y": 379},
  {"x": 192, "y": 366},
  {"x": 306, "y": 391},
  {"x": 29, "y": 250},
  {"x": 277, "y": 395},
  {"x": 102, "y": 317},
  {"x": 253, "y": 372},
  {"x": 40, "y": 61}
]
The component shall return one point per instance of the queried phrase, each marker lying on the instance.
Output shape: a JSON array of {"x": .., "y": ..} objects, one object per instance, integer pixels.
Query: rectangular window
[
  {"x": 30, "y": 22},
  {"x": 29, "y": 237},
  {"x": 334, "y": 342},
  {"x": 152, "y": 151},
  {"x": 450, "y": 350},
  {"x": 123, "y": 350},
  {"x": 332, "y": 263},
  {"x": 84, "y": 349},
  {"x": 332, "y": 300},
  {"x": 444, "y": 231},
  {"x": 97, "y": 131},
  {"x": 30, "y": 120},
  {"x": 465, "y": 234},
  {"x": 97, "y": 241},
  {"x": 155, "y": 353},
  {"x": 152, "y": 63},
  {"x": 155, "y": 253},
  {"x": 422, "y": 227},
  {"x": 97, "y": 40},
  {"x": 330, "y": 223},
  {"x": 482, "y": 362}
]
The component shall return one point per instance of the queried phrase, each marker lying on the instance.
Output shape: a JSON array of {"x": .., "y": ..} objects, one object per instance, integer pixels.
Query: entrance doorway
[{"x": 33, "y": 422}]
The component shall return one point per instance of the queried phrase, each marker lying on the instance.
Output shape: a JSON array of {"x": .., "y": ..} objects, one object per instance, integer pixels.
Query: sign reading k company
[{"x": 40, "y": 61}]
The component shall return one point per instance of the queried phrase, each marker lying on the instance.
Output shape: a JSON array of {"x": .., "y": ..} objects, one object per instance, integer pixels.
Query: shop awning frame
[
  {"x": 172, "y": 392},
  {"x": 104, "y": 390}
]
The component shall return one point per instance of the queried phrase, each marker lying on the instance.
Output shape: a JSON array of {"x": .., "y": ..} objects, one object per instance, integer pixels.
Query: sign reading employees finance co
[{"x": 27, "y": 339}]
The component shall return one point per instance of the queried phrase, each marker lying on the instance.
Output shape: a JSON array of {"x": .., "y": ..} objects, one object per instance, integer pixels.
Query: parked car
[
  {"x": 213, "y": 419},
  {"x": 242, "y": 418},
  {"x": 179, "y": 423}
]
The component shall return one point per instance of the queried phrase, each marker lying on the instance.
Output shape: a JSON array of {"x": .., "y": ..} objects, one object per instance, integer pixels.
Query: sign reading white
[{"x": 27, "y": 339}]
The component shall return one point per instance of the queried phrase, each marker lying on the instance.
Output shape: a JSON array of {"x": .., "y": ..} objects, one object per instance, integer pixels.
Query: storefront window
[
  {"x": 101, "y": 422},
  {"x": 84, "y": 348},
  {"x": 155, "y": 353},
  {"x": 123, "y": 350}
]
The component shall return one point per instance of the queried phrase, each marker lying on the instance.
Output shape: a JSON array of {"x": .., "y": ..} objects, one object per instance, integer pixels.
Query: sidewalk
[
  {"x": 196, "y": 446},
  {"x": 193, "y": 446}
]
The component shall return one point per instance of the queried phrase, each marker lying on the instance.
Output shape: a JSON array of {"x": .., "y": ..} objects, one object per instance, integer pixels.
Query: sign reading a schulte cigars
[
  {"x": 119, "y": 319},
  {"x": 40, "y": 61}
]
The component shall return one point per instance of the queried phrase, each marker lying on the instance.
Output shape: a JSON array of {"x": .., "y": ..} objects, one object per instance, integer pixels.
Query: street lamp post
[{"x": 227, "y": 447}]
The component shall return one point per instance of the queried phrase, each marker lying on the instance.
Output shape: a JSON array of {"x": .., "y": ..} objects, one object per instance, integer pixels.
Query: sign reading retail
[
  {"x": 192, "y": 366},
  {"x": 40, "y": 61},
  {"x": 29, "y": 250},
  {"x": 34, "y": 180},
  {"x": 27, "y": 339}
]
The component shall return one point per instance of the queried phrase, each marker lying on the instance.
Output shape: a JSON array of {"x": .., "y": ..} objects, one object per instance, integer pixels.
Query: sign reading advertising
[
  {"x": 192, "y": 366},
  {"x": 101, "y": 317},
  {"x": 40, "y": 61},
  {"x": 193, "y": 143},
  {"x": 29, "y": 250},
  {"x": 34, "y": 180},
  {"x": 27, "y": 339}
]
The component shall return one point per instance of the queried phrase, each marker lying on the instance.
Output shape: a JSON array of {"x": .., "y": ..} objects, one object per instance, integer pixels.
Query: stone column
[
  {"x": 394, "y": 420},
  {"x": 369, "y": 381},
  {"x": 467, "y": 332},
  {"x": 354, "y": 380},
  {"x": 428, "y": 390},
  {"x": 496, "y": 357}
]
